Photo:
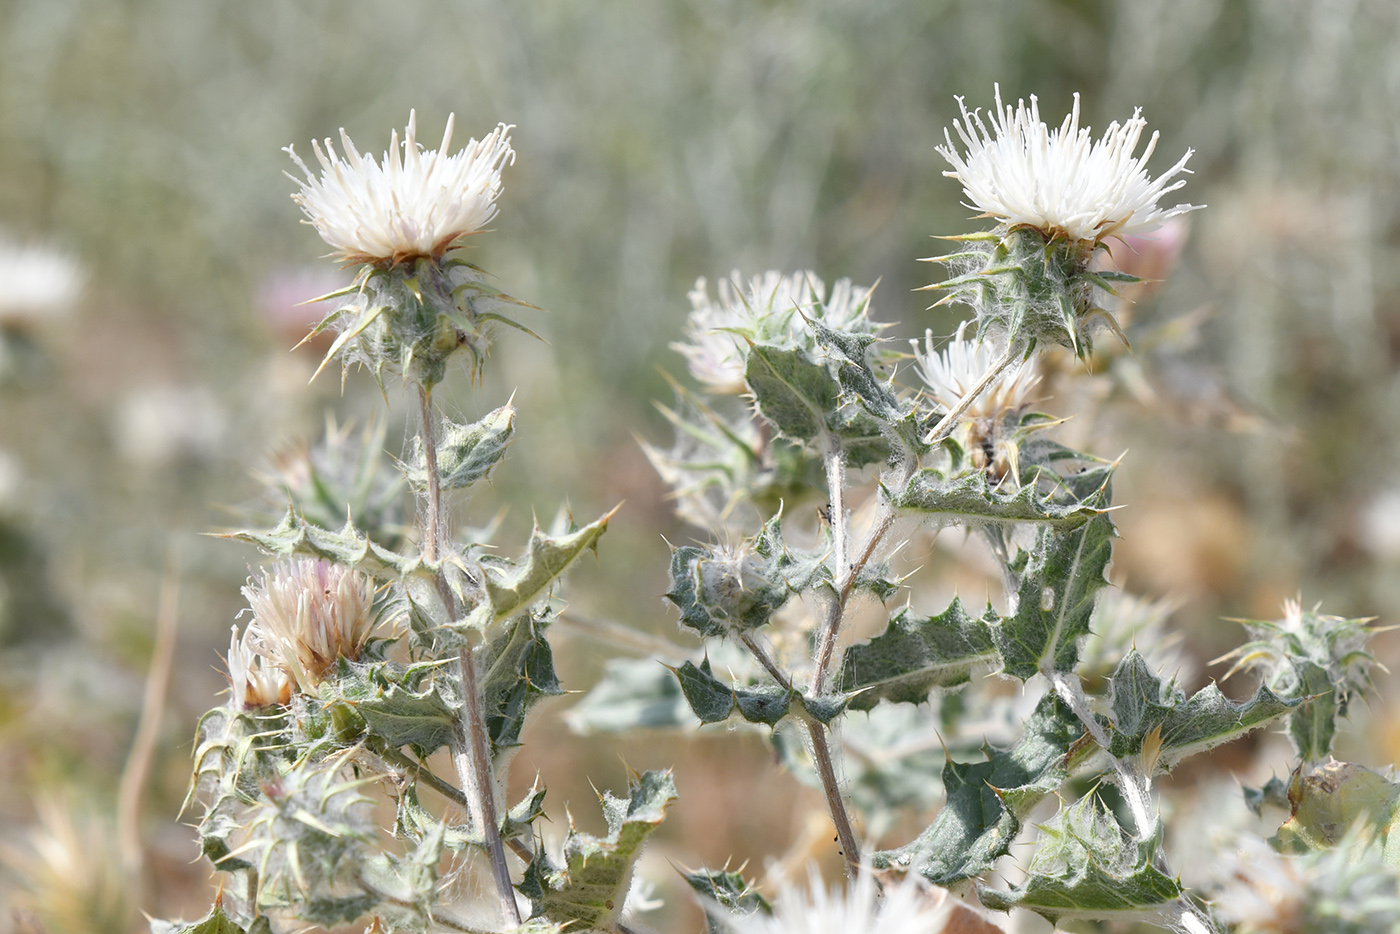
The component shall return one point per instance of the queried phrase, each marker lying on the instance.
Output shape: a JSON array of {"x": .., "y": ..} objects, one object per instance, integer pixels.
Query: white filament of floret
[
  {"x": 1060, "y": 181},
  {"x": 310, "y": 613},
  {"x": 415, "y": 202},
  {"x": 254, "y": 681},
  {"x": 961, "y": 364},
  {"x": 909, "y": 907}
]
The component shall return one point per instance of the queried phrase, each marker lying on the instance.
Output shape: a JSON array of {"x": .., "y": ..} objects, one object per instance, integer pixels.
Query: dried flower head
[
  {"x": 415, "y": 203},
  {"x": 909, "y": 907},
  {"x": 1061, "y": 181},
  {"x": 253, "y": 680},
  {"x": 310, "y": 613}
]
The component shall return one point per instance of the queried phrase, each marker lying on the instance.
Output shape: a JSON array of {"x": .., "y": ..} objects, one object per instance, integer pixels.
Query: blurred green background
[{"x": 657, "y": 142}]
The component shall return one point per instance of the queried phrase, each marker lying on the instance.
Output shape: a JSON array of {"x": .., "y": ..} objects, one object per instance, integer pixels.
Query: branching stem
[
  {"x": 766, "y": 661},
  {"x": 826, "y": 771},
  {"x": 1136, "y": 788},
  {"x": 471, "y": 746}
]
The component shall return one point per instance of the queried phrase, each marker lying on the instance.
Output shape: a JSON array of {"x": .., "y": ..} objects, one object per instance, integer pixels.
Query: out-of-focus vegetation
[{"x": 657, "y": 142}]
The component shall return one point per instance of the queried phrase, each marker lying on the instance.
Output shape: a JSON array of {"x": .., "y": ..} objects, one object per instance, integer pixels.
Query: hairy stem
[
  {"x": 471, "y": 746},
  {"x": 831, "y": 787},
  {"x": 432, "y": 532},
  {"x": 821, "y": 756},
  {"x": 1136, "y": 788},
  {"x": 766, "y": 661},
  {"x": 836, "y": 489},
  {"x": 845, "y": 579},
  {"x": 471, "y": 754}
]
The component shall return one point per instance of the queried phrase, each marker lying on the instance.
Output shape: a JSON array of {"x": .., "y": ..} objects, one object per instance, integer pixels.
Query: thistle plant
[
  {"x": 374, "y": 657},
  {"x": 802, "y": 406}
]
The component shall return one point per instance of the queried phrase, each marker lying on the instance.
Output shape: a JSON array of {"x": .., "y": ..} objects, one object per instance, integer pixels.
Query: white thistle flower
[
  {"x": 962, "y": 363},
  {"x": 414, "y": 203},
  {"x": 37, "y": 282},
  {"x": 762, "y": 308},
  {"x": 1061, "y": 181},
  {"x": 310, "y": 613},
  {"x": 909, "y": 907},
  {"x": 767, "y": 308},
  {"x": 254, "y": 681}
]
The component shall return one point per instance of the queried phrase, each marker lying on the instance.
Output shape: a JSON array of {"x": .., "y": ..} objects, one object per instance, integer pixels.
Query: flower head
[
  {"x": 36, "y": 283},
  {"x": 308, "y": 614},
  {"x": 767, "y": 308},
  {"x": 414, "y": 203},
  {"x": 254, "y": 681},
  {"x": 1060, "y": 181},
  {"x": 909, "y": 907},
  {"x": 961, "y": 365}
]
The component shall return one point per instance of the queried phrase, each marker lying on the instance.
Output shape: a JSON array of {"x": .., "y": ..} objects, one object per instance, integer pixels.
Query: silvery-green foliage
[
  {"x": 589, "y": 888},
  {"x": 343, "y": 475},
  {"x": 285, "y": 770},
  {"x": 985, "y": 802},
  {"x": 1155, "y": 720},
  {"x": 946, "y": 458},
  {"x": 1086, "y": 865},
  {"x": 916, "y": 656},
  {"x": 1318, "y": 658}
]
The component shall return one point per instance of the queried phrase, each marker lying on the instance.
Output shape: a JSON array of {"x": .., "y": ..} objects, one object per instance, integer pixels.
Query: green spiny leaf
[
  {"x": 915, "y": 656},
  {"x": 725, "y": 896},
  {"x": 1061, "y": 578},
  {"x": 516, "y": 670},
  {"x": 514, "y": 589},
  {"x": 794, "y": 394},
  {"x": 1313, "y": 726},
  {"x": 1144, "y": 705},
  {"x": 986, "y": 801},
  {"x": 401, "y": 717},
  {"x": 972, "y": 498},
  {"x": 216, "y": 922},
  {"x": 348, "y": 546},
  {"x": 863, "y": 387},
  {"x": 589, "y": 890},
  {"x": 713, "y": 701},
  {"x": 466, "y": 453},
  {"x": 1085, "y": 866}
]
